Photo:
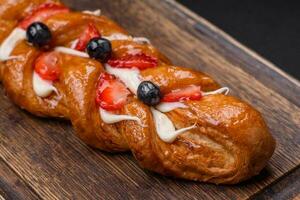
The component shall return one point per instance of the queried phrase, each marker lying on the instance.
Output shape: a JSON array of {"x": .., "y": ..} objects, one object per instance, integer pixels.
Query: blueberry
[
  {"x": 149, "y": 93},
  {"x": 100, "y": 49},
  {"x": 38, "y": 34}
]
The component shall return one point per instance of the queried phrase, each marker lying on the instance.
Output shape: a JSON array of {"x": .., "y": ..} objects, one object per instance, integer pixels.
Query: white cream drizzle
[
  {"x": 41, "y": 87},
  {"x": 130, "y": 77},
  {"x": 13, "y": 58},
  {"x": 74, "y": 43},
  {"x": 223, "y": 90},
  {"x": 117, "y": 36},
  {"x": 95, "y": 12},
  {"x": 165, "y": 127},
  {"x": 167, "y": 107},
  {"x": 71, "y": 52},
  {"x": 141, "y": 40},
  {"x": 120, "y": 36},
  {"x": 10, "y": 42},
  {"x": 111, "y": 118}
]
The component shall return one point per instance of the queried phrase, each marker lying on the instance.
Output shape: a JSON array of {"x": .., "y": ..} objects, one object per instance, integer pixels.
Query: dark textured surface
[
  {"x": 269, "y": 27},
  {"x": 286, "y": 188},
  {"x": 51, "y": 162},
  {"x": 12, "y": 186}
]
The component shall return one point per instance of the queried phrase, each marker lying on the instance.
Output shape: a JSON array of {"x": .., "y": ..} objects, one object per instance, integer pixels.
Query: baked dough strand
[{"x": 230, "y": 142}]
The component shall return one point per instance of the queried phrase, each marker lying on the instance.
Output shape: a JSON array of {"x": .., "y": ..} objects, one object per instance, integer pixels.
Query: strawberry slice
[
  {"x": 191, "y": 92},
  {"x": 111, "y": 93},
  {"x": 47, "y": 66},
  {"x": 89, "y": 33},
  {"x": 43, "y": 12},
  {"x": 140, "y": 61}
]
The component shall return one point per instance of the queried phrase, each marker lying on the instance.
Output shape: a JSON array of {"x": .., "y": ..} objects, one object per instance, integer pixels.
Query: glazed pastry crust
[{"x": 230, "y": 143}]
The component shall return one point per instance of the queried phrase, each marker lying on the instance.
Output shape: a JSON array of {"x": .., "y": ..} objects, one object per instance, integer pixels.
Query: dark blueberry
[
  {"x": 38, "y": 34},
  {"x": 100, "y": 49},
  {"x": 149, "y": 93}
]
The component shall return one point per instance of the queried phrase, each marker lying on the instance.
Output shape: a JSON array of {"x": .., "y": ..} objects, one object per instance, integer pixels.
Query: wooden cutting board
[{"x": 42, "y": 158}]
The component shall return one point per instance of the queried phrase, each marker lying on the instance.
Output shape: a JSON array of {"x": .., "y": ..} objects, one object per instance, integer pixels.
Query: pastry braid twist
[{"x": 228, "y": 142}]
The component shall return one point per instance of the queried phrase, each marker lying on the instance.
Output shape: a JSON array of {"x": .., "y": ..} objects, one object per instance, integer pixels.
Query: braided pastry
[{"x": 121, "y": 94}]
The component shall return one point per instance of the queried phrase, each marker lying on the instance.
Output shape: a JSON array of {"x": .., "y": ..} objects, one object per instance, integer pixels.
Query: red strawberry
[
  {"x": 46, "y": 65},
  {"x": 191, "y": 92},
  {"x": 111, "y": 93},
  {"x": 140, "y": 61},
  {"x": 42, "y": 13},
  {"x": 89, "y": 33}
]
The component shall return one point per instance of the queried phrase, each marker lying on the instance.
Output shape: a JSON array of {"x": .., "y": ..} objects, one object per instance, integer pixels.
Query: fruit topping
[
  {"x": 149, "y": 93},
  {"x": 111, "y": 92},
  {"x": 42, "y": 13},
  {"x": 140, "y": 61},
  {"x": 89, "y": 33},
  {"x": 38, "y": 34},
  {"x": 191, "y": 92},
  {"x": 99, "y": 49},
  {"x": 47, "y": 66}
]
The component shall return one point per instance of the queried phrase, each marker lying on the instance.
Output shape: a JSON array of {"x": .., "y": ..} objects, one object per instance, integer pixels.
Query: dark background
[{"x": 271, "y": 28}]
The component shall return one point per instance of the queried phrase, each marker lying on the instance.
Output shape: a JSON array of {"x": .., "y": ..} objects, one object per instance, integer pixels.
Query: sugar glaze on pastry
[{"x": 122, "y": 94}]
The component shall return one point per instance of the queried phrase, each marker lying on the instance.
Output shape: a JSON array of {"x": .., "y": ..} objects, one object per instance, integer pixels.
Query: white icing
[
  {"x": 13, "y": 57},
  {"x": 10, "y": 42},
  {"x": 120, "y": 36},
  {"x": 165, "y": 127},
  {"x": 111, "y": 118},
  {"x": 141, "y": 40},
  {"x": 130, "y": 77},
  {"x": 223, "y": 90},
  {"x": 132, "y": 50},
  {"x": 167, "y": 107},
  {"x": 95, "y": 12},
  {"x": 117, "y": 36},
  {"x": 74, "y": 43},
  {"x": 71, "y": 52},
  {"x": 41, "y": 87}
]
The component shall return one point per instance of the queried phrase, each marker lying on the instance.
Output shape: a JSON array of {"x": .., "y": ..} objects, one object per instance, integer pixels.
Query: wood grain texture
[
  {"x": 12, "y": 186},
  {"x": 287, "y": 187},
  {"x": 54, "y": 164}
]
